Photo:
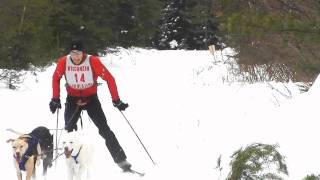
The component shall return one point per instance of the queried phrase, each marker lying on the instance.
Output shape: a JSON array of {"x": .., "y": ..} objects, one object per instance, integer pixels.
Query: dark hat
[{"x": 76, "y": 45}]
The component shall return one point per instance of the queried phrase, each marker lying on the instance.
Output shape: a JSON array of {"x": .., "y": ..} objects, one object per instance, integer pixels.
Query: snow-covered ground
[{"x": 185, "y": 113}]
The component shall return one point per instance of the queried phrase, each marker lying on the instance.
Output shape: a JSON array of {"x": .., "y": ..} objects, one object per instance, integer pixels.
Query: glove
[
  {"x": 120, "y": 105},
  {"x": 54, "y": 104}
]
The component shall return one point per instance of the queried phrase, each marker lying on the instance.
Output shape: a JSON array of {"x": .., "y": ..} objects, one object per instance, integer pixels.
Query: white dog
[{"x": 78, "y": 155}]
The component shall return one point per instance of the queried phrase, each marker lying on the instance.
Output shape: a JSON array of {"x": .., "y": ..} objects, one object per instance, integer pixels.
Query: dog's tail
[{"x": 15, "y": 132}]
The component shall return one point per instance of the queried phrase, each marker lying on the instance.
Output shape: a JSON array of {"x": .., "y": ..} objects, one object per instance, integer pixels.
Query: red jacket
[{"x": 98, "y": 69}]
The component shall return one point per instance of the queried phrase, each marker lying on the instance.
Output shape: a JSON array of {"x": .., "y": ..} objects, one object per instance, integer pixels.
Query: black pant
[{"x": 95, "y": 112}]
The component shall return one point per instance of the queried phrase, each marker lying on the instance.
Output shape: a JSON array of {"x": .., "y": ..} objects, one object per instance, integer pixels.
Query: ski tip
[{"x": 141, "y": 174}]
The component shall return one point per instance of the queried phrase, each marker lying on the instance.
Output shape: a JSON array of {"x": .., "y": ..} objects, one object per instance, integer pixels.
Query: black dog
[{"x": 45, "y": 139}]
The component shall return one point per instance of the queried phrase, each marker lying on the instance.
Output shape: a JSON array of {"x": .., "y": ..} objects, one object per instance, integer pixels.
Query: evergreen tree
[
  {"x": 204, "y": 25},
  {"x": 25, "y": 38},
  {"x": 257, "y": 161},
  {"x": 187, "y": 24},
  {"x": 25, "y": 35},
  {"x": 90, "y": 21},
  {"x": 312, "y": 177},
  {"x": 105, "y": 23},
  {"x": 136, "y": 22},
  {"x": 173, "y": 26},
  {"x": 124, "y": 21}
]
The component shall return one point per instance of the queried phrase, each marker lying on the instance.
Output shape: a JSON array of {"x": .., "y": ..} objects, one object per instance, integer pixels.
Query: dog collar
[{"x": 76, "y": 156}]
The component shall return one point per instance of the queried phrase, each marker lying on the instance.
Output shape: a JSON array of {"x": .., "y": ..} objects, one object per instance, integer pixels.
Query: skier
[{"x": 81, "y": 71}]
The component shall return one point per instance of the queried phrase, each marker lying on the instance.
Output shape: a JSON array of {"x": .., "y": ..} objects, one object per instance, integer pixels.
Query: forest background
[{"x": 273, "y": 40}]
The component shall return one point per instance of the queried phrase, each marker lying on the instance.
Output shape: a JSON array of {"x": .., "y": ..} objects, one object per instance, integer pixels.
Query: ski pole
[
  {"x": 137, "y": 137},
  {"x": 57, "y": 135}
]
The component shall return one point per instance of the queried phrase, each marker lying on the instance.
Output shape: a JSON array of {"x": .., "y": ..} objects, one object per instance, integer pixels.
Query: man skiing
[{"x": 81, "y": 71}]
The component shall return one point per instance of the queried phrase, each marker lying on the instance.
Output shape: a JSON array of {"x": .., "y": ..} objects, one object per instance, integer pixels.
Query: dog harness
[
  {"x": 76, "y": 156},
  {"x": 32, "y": 147},
  {"x": 21, "y": 162}
]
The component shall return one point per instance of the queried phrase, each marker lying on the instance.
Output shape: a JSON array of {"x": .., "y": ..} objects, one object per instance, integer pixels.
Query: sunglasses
[{"x": 75, "y": 52}]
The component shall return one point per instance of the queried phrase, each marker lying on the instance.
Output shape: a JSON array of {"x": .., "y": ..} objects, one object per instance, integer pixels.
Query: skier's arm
[
  {"x": 103, "y": 72},
  {"x": 58, "y": 73}
]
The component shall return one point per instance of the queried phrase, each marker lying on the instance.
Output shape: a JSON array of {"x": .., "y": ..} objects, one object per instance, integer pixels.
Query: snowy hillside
[{"x": 185, "y": 113}]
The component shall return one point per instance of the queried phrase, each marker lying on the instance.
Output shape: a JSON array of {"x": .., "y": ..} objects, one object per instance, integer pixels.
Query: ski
[{"x": 141, "y": 174}]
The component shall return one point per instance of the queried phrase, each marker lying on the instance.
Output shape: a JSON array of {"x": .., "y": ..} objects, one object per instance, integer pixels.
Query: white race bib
[{"x": 79, "y": 76}]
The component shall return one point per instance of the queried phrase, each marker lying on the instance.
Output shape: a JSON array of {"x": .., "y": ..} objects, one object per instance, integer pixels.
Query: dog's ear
[{"x": 10, "y": 140}]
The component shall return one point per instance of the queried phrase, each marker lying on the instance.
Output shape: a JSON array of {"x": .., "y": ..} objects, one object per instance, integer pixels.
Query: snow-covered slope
[{"x": 185, "y": 113}]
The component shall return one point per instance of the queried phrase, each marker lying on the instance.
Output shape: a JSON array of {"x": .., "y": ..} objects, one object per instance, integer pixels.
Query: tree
[
  {"x": 172, "y": 25},
  {"x": 89, "y": 21},
  {"x": 257, "y": 162},
  {"x": 187, "y": 24},
  {"x": 282, "y": 34},
  {"x": 12, "y": 78},
  {"x": 104, "y": 23},
  {"x": 204, "y": 29},
  {"x": 312, "y": 177},
  {"x": 25, "y": 37},
  {"x": 135, "y": 22}
]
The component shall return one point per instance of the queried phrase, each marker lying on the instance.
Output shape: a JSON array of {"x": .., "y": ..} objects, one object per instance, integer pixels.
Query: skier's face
[{"x": 76, "y": 56}]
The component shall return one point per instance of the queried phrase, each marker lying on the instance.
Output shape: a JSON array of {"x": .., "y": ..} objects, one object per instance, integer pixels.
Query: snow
[{"x": 185, "y": 113}]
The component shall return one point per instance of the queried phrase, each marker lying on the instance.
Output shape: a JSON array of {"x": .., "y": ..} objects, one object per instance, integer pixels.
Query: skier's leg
[
  {"x": 71, "y": 114},
  {"x": 97, "y": 115}
]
